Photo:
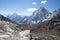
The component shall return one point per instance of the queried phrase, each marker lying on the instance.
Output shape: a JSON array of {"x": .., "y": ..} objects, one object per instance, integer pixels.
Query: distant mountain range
[
  {"x": 37, "y": 18},
  {"x": 40, "y": 15},
  {"x": 2, "y": 18},
  {"x": 15, "y": 17}
]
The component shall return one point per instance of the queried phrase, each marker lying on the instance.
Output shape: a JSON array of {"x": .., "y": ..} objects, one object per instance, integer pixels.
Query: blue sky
[{"x": 26, "y": 7}]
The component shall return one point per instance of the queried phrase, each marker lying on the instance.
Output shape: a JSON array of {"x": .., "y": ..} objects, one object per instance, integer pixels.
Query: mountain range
[
  {"x": 15, "y": 17},
  {"x": 40, "y": 15}
]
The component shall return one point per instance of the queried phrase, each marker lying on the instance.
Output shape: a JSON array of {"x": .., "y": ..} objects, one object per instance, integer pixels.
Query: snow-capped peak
[{"x": 38, "y": 16}]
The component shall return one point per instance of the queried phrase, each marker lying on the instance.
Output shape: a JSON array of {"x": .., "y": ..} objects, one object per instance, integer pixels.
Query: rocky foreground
[{"x": 10, "y": 31}]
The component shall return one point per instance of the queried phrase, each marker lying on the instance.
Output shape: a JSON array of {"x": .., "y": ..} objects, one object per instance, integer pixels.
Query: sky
[{"x": 26, "y": 7}]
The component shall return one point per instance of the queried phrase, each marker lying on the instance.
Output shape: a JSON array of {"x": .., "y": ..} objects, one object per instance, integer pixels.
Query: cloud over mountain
[
  {"x": 44, "y": 1},
  {"x": 31, "y": 9}
]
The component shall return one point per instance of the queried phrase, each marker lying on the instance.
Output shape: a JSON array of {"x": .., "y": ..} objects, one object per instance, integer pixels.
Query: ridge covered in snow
[{"x": 40, "y": 15}]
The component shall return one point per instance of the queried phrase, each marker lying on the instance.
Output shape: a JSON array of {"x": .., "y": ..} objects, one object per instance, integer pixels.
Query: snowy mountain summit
[{"x": 40, "y": 15}]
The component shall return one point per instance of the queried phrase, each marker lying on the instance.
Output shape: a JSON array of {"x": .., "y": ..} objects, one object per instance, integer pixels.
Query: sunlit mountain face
[{"x": 38, "y": 16}]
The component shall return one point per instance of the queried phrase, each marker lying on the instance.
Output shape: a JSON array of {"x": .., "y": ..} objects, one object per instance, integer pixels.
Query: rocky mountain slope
[
  {"x": 9, "y": 30},
  {"x": 49, "y": 29}
]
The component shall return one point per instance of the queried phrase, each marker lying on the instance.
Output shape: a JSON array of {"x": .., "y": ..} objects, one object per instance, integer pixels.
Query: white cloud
[
  {"x": 44, "y": 2},
  {"x": 34, "y": 3},
  {"x": 31, "y": 9}
]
